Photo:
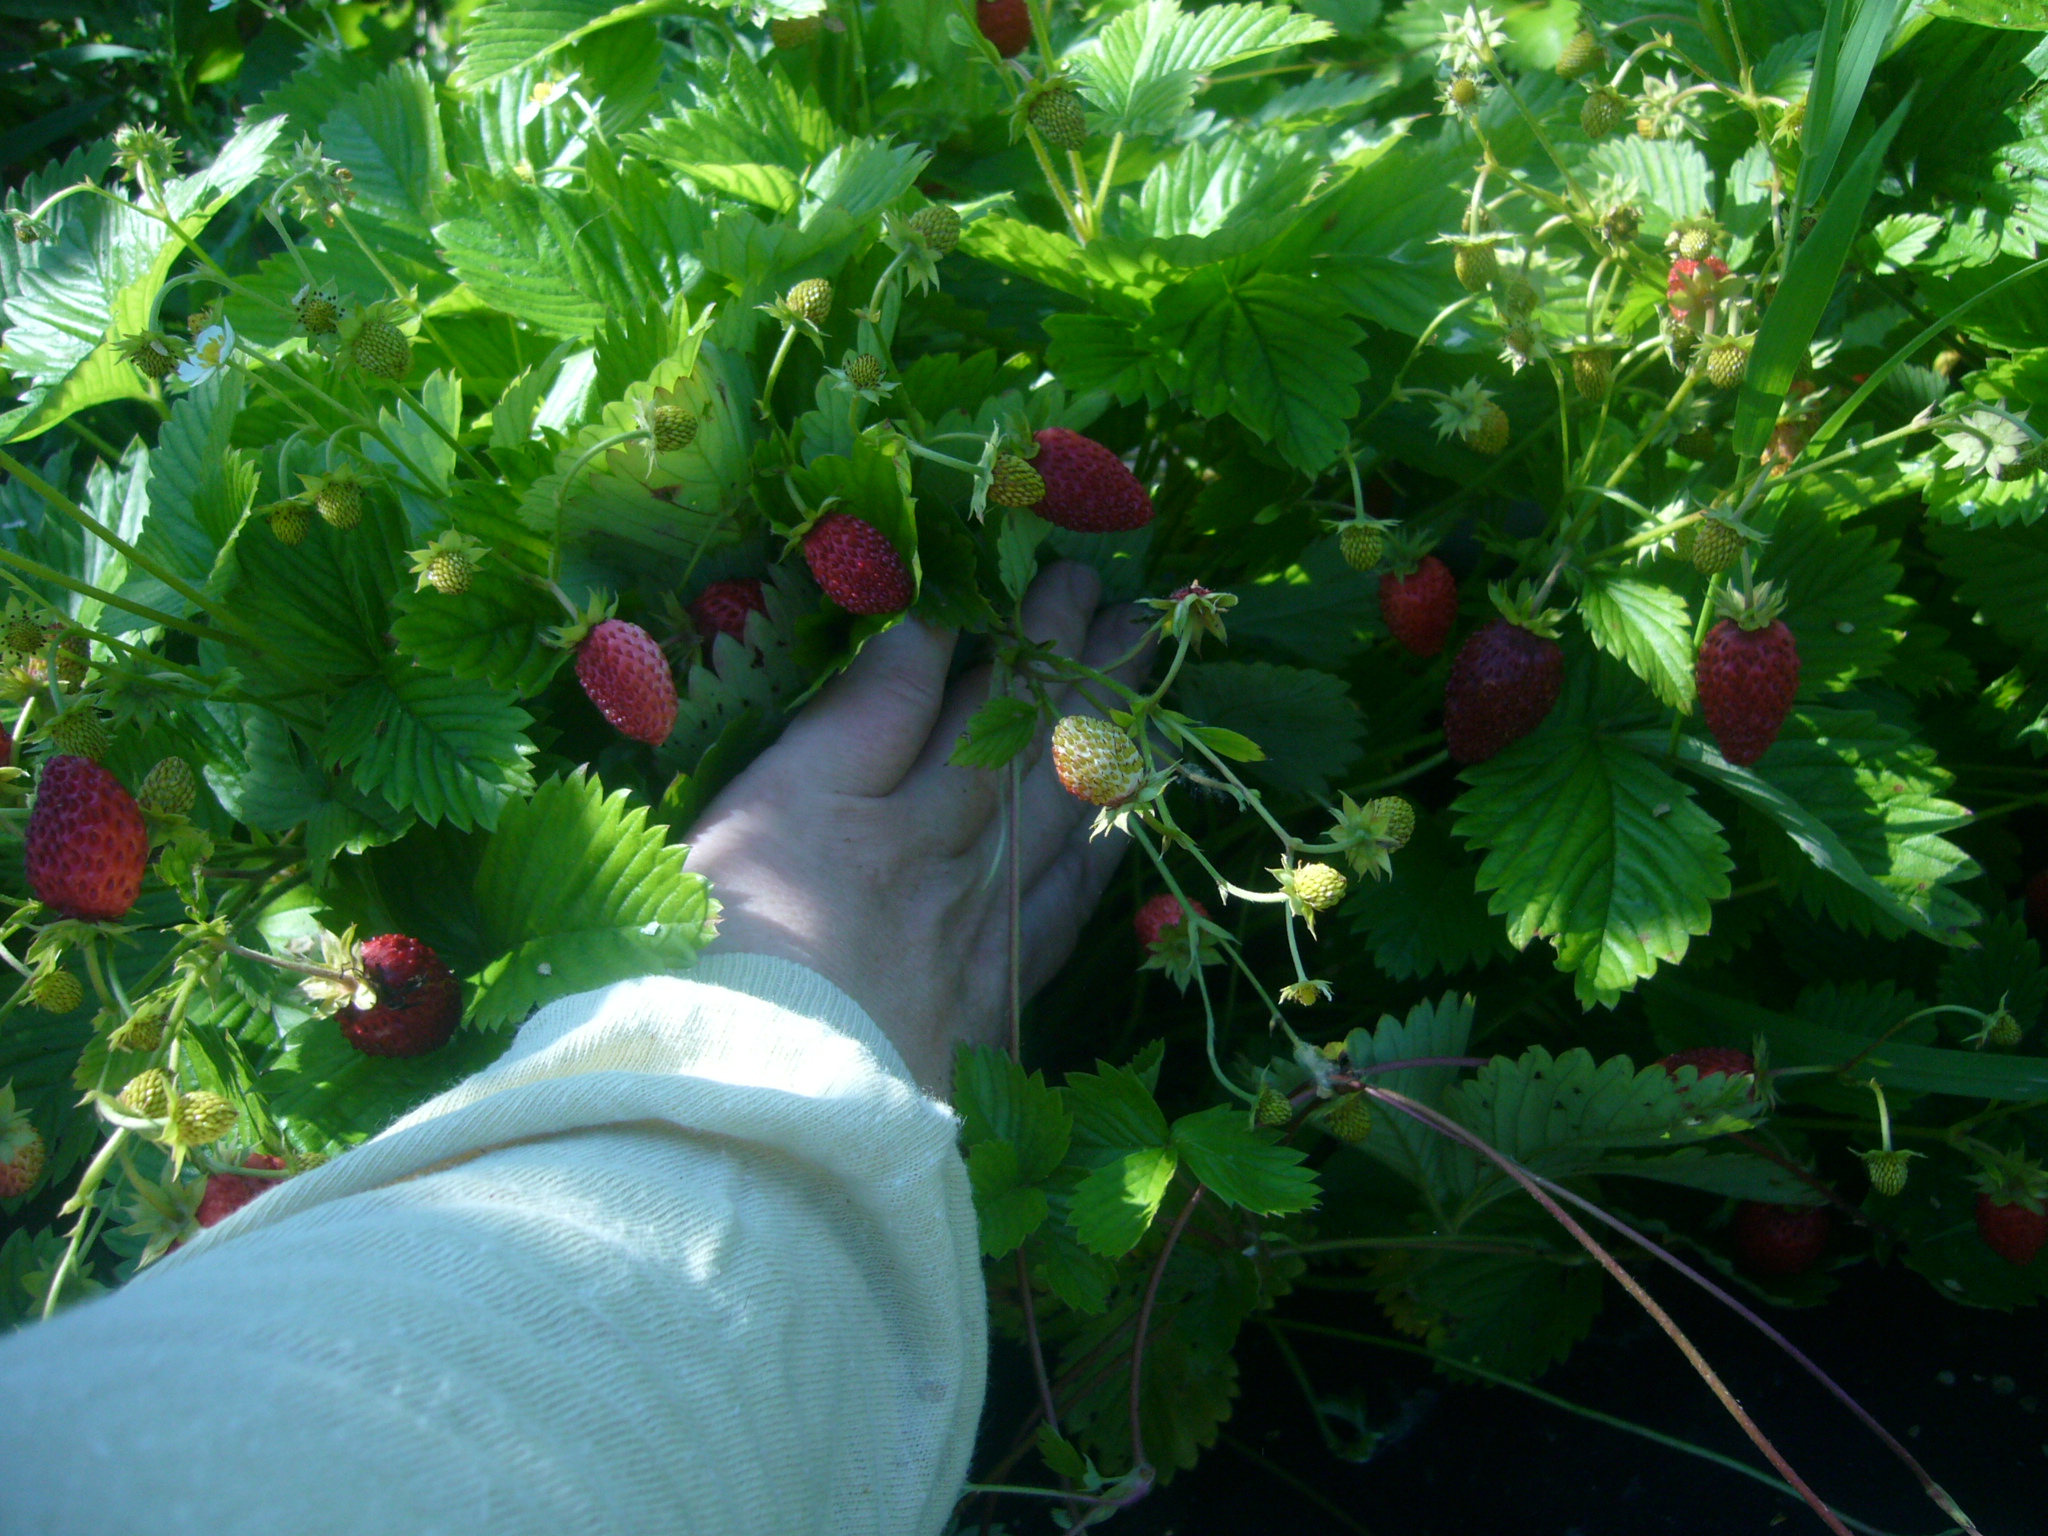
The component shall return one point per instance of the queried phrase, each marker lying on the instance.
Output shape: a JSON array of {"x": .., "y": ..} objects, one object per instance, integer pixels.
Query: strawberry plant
[{"x": 1579, "y": 463}]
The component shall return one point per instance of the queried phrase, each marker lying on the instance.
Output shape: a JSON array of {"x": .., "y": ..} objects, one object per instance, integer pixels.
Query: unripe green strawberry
[
  {"x": 78, "y": 731},
  {"x": 1592, "y": 368},
  {"x": 1490, "y": 433},
  {"x": 864, "y": 370},
  {"x": 1581, "y": 55},
  {"x": 74, "y": 653},
  {"x": 1726, "y": 365},
  {"x": 318, "y": 314},
  {"x": 1464, "y": 91},
  {"x": 812, "y": 299},
  {"x": 291, "y": 521},
  {"x": 1887, "y": 1171},
  {"x": 1272, "y": 1109},
  {"x": 1696, "y": 244},
  {"x": 1696, "y": 444},
  {"x": 200, "y": 1118},
  {"x": 381, "y": 349},
  {"x": 1319, "y": 886},
  {"x": 938, "y": 227},
  {"x": 1014, "y": 483},
  {"x": 2003, "y": 1032},
  {"x": 671, "y": 428},
  {"x": 1602, "y": 112},
  {"x": 168, "y": 789},
  {"x": 795, "y": 31},
  {"x": 1518, "y": 298},
  {"x": 1361, "y": 545},
  {"x": 1058, "y": 117},
  {"x": 1350, "y": 1118},
  {"x": 155, "y": 355},
  {"x": 1399, "y": 816},
  {"x": 340, "y": 502},
  {"x": 148, "y": 1094},
  {"x": 1621, "y": 224},
  {"x": 25, "y": 634},
  {"x": 1095, "y": 761},
  {"x": 1715, "y": 547},
  {"x": 141, "y": 1034},
  {"x": 449, "y": 573},
  {"x": 1476, "y": 265},
  {"x": 58, "y": 992}
]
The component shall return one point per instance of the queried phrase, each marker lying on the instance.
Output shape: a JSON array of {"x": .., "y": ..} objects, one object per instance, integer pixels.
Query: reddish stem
[
  {"x": 1138, "y": 1462},
  {"x": 1514, "y": 1170}
]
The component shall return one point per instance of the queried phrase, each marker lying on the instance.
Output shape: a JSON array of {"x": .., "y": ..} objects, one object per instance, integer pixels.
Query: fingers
[
  {"x": 957, "y": 804},
  {"x": 1063, "y": 899},
  {"x": 867, "y": 729}
]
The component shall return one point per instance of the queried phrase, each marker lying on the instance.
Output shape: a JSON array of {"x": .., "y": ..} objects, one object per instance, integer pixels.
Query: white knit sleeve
[{"x": 694, "y": 1257}]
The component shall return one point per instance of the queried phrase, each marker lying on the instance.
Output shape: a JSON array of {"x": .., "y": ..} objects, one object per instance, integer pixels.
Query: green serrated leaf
[
  {"x": 577, "y": 891},
  {"x": 995, "y": 733},
  {"x": 996, "y": 1101},
  {"x": 1242, "y": 1166},
  {"x": 501, "y": 36},
  {"x": 1429, "y": 915},
  {"x": 1648, "y": 628},
  {"x": 1007, "y": 1207},
  {"x": 494, "y": 632},
  {"x": 1113, "y": 1206},
  {"x": 1303, "y": 721},
  {"x": 1141, "y": 77},
  {"x": 449, "y": 749},
  {"x": 1114, "y": 1112}
]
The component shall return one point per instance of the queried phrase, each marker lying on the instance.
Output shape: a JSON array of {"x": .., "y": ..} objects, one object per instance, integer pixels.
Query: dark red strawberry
[
  {"x": 2012, "y": 1229},
  {"x": 2037, "y": 906},
  {"x": 6, "y": 747},
  {"x": 1006, "y": 23},
  {"x": 628, "y": 679},
  {"x": 1162, "y": 912},
  {"x": 1746, "y": 680},
  {"x": 1503, "y": 681},
  {"x": 87, "y": 843},
  {"x": 419, "y": 1001},
  {"x": 1780, "y": 1240},
  {"x": 1420, "y": 608},
  {"x": 722, "y": 608},
  {"x": 856, "y": 565},
  {"x": 227, "y": 1193},
  {"x": 1706, "y": 1060},
  {"x": 1087, "y": 488}
]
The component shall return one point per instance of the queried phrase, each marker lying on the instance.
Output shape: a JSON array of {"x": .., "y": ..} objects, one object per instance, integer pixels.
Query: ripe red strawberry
[
  {"x": 1780, "y": 1240},
  {"x": 1693, "y": 283},
  {"x": 628, "y": 679},
  {"x": 1746, "y": 680},
  {"x": 1706, "y": 1060},
  {"x": 1503, "y": 682},
  {"x": 1162, "y": 912},
  {"x": 2011, "y": 1229},
  {"x": 2037, "y": 906},
  {"x": 227, "y": 1193},
  {"x": 22, "y": 1153},
  {"x": 419, "y": 1001},
  {"x": 6, "y": 747},
  {"x": 857, "y": 566},
  {"x": 1087, "y": 488},
  {"x": 1420, "y": 608},
  {"x": 87, "y": 842},
  {"x": 1006, "y": 23},
  {"x": 722, "y": 608}
]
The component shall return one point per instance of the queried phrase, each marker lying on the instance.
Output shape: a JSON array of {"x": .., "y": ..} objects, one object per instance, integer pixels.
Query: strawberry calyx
[
  {"x": 1525, "y": 611},
  {"x": 1758, "y": 608},
  {"x": 445, "y": 545},
  {"x": 601, "y": 605},
  {"x": 2012, "y": 1179}
]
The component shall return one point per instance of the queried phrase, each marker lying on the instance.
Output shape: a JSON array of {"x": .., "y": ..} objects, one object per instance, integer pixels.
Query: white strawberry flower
[
  {"x": 211, "y": 350},
  {"x": 1467, "y": 42},
  {"x": 1463, "y": 410}
]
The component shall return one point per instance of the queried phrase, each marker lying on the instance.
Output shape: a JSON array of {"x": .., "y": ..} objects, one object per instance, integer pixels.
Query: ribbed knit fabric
[{"x": 695, "y": 1257}]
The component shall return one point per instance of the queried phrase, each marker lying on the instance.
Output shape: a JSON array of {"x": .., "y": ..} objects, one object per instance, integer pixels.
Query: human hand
[{"x": 851, "y": 846}]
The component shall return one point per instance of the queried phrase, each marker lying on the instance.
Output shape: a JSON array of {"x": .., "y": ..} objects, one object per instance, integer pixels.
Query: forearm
[{"x": 704, "y": 1261}]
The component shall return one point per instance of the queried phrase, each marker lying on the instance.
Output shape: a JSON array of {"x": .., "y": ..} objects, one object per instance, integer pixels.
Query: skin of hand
[{"x": 851, "y": 846}]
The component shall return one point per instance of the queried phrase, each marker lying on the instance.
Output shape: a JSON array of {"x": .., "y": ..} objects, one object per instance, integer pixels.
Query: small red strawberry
[
  {"x": 227, "y": 1193},
  {"x": 856, "y": 565},
  {"x": 1503, "y": 682},
  {"x": 1780, "y": 1240},
  {"x": 87, "y": 842},
  {"x": 1006, "y": 23},
  {"x": 22, "y": 1153},
  {"x": 2037, "y": 906},
  {"x": 1747, "y": 672},
  {"x": 6, "y": 747},
  {"x": 1162, "y": 912},
  {"x": 1707, "y": 1060},
  {"x": 722, "y": 608},
  {"x": 1087, "y": 488},
  {"x": 2015, "y": 1229},
  {"x": 419, "y": 1001},
  {"x": 628, "y": 679},
  {"x": 1420, "y": 608},
  {"x": 1691, "y": 284}
]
